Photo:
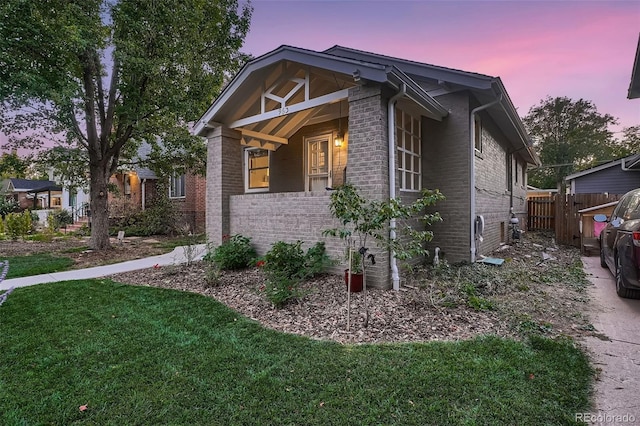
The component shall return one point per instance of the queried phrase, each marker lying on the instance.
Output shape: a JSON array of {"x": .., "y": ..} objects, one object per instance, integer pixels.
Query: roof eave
[
  {"x": 634, "y": 85},
  {"x": 417, "y": 94},
  {"x": 511, "y": 112}
]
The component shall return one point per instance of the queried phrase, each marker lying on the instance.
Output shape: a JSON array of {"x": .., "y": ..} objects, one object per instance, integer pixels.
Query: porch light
[{"x": 339, "y": 139}]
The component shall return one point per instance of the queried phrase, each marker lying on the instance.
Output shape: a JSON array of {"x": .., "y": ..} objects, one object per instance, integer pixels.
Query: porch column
[
  {"x": 224, "y": 178},
  {"x": 368, "y": 162}
]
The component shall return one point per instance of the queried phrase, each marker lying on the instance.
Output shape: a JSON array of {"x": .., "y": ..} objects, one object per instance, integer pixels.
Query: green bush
[
  {"x": 235, "y": 252},
  {"x": 280, "y": 288},
  {"x": 62, "y": 218},
  {"x": 18, "y": 224},
  {"x": 7, "y": 205},
  {"x": 285, "y": 259},
  {"x": 286, "y": 265},
  {"x": 159, "y": 219},
  {"x": 316, "y": 260}
]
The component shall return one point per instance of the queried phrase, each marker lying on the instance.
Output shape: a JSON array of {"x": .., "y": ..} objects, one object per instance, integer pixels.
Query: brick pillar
[
  {"x": 368, "y": 162},
  {"x": 224, "y": 178}
]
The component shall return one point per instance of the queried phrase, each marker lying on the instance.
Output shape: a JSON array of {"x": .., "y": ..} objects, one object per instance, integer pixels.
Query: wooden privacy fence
[
  {"x": 541, "y": 213},
  {"x": 559, "y": 213}
]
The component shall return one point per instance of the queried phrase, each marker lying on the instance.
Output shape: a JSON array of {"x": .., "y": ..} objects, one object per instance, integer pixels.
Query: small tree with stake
[{"x": 362, "y": 220}]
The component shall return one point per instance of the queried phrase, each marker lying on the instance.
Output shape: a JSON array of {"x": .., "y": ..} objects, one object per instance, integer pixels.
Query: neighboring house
[
  {"x": 634, "y": 86},
  {"x": 294, "y": 122},
  {"x": 33, "y": 194},
  {"x": 138, "y": 187},
  {"x": 615, "y": 177}
]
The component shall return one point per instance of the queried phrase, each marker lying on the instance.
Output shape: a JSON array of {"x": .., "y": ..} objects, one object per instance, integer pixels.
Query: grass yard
[
  {"x": 35, "y": 264},
  {"x": 140, "y": 355}
]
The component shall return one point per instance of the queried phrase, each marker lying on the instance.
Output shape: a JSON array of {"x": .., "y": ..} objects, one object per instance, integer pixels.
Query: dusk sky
[{"x": 578, "y": 49}]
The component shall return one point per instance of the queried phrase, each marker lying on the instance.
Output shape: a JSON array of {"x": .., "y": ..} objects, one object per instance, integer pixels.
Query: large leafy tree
[
  {"x": 629, "y": 143},
  {"x": 13, "y": 166},
  {"x": 105, "y": 75},
  {"x": 569, "y": 136}
]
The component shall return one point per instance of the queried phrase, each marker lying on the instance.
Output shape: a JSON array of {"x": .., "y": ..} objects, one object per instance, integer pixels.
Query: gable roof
[
  {"x": 629, "y": 163},
  {"x": 484, "y": 87},
  {"x": 354, "y": 66},
  {"x": 29, "y": 185}
]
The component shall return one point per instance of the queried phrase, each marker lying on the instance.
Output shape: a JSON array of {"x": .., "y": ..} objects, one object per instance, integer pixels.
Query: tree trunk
[{"x": 99, "y": 208}]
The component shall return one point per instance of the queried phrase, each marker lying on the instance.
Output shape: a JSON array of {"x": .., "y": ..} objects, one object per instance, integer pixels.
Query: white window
[
  {"x": 408, "y": 139},
  {"x": 256, "y": 166},
  {"x": 477, "y": 124},
  {"x": 177, "y": 186},
  {"x": 318, "y": 167},
  {"x": 127, "y": 184}
]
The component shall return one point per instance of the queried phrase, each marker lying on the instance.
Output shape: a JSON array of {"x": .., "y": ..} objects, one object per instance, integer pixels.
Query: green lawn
[
  {"x": 140, "y": 355},
  {"x": 35, "y": 264}
]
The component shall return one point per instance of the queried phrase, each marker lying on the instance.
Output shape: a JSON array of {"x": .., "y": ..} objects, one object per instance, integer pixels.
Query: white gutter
[
  {"x": 472, "y": 172},
  {"x": 627, "y": 169},
  {"x": 391, "y": 129}
]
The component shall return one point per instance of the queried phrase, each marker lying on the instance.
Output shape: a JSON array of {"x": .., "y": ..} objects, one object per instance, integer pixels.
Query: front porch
[{"x": 294, "y": 124}]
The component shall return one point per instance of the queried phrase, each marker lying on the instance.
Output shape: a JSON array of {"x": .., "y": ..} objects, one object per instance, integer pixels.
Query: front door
[{"x": 318, "y": 167}]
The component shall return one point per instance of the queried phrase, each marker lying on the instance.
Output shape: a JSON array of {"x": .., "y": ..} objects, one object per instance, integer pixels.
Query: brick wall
[
  {"x": 445, "y": 165},
  {"x": 192, "y": 206},
  {"x": 492, "y": 187},
  {"x": 224, "y": 179},
  {"x": 368, "y": 161},
  {"x": 287, "y": 216}
]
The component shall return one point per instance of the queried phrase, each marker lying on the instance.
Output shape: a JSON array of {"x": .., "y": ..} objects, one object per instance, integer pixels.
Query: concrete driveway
[{"x": 616, "y": 354}]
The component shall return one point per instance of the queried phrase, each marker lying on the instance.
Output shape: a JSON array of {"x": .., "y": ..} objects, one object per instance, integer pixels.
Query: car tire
[
  {"x": 603, "y": 262},
  {"x": 621, "y": 290}
]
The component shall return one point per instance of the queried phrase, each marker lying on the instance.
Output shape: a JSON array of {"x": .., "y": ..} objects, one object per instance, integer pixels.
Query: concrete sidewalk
[
  {"x": 177, "y": 256},
  {"x": 616, "y": 352}
]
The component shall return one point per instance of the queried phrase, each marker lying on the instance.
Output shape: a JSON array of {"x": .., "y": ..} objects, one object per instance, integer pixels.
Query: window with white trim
[
  {"x": 408, "y": 141},
  {"x": 477, "y": 133},
  {"x": 256, "y": 167},
  {"x": 177, "y": 186}
]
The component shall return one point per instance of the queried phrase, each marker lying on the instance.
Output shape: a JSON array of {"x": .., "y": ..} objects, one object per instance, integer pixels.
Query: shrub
[
  {"x": 286, "y": 265},
  {"x": 280, "y": 288},
  {"x": 286, "y": 259},
  {"x": 7, "y": 205},
  {"x": 235, "y": 252},
  {"x": 18, "y": 224},
  {"x": 317, "y": 260}
]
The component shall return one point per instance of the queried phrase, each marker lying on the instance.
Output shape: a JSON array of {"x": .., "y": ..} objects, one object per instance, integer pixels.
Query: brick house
[
  {"x": 30, "y": 194},
  {"x": 137, "y": 187},
  {"x": 293, "y": 122}
]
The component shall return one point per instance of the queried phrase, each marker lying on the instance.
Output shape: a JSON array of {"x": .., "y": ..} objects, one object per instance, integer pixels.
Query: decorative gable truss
[{"x": 291, "y": 100}]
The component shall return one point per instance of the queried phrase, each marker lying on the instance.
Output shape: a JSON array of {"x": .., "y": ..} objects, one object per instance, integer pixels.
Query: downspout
[
  {"x": 143, "y": 192},
  {"x": 391, "y": 128},
  {"x": 472, "y": 172}
]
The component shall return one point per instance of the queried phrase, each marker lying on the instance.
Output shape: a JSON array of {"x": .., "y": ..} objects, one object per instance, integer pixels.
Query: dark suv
[{"x": 620, "y": 245}]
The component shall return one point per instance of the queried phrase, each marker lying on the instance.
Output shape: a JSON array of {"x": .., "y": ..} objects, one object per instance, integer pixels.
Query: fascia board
[
  {"x": 470, "y": 79},
  {"x": 634, "y": 85},
  {"x": 417, "y": 93},
  {"x": 593, "y": 170}
]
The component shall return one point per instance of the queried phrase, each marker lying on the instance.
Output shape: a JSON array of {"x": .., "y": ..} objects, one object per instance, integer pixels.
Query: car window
[
  {"x": 620, "y": 208},
  {"x": 633, "y": 207}
]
